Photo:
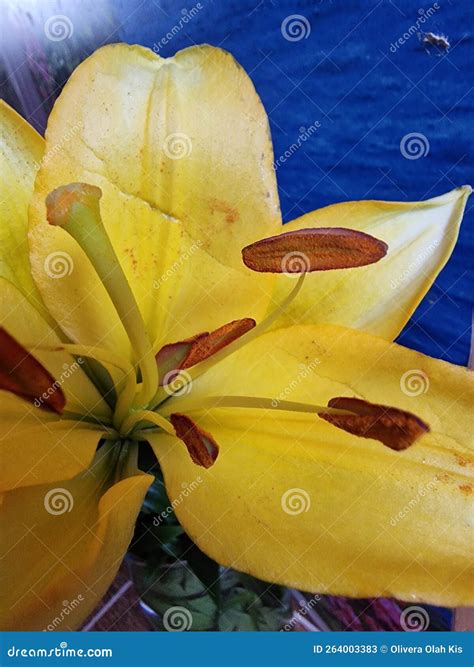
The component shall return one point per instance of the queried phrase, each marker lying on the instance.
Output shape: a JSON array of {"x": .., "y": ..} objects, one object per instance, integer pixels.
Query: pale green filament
[
  {"x": 257, "y": 402},
  {"x": 192, "y": 373},
  {"x": 84, "y": 223},
  {"x": 146, "y": 416}
]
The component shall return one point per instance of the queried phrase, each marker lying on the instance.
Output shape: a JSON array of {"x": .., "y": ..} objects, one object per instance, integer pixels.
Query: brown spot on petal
[
  {"x": 466, "y": 489},
  {"x": 25, "y": 376},
  {"x": 231, "y": 214},
  {"x": 307, "y": 250},
  {"x": 201, "y": 446},
  {"x": 395, "y": 428}
]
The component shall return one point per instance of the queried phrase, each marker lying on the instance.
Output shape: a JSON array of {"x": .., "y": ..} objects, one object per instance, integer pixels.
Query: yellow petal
[
  {"x": 27, "y": 325},
  {"x": 294, "y": 500},
  {"x": 379, "y": 298},
  {"x": 21, "y": 152},
  {"x": 181, "y": 150},
  {"x": 62, "y": 544},
  {"x": 36, "y": 447}
]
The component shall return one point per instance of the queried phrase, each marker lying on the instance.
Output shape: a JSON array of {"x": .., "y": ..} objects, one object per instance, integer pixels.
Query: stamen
[
  {"x": 257, "y": 402},
  {"x": 22, "y": 374},
  {"x": 307, "y": 250},
  {"x": 395, "y": 428},
  {"x": 235, "y": 345},
  {"x": 75, "y": 208},
  {"x": 201, "y": 446},
  {"x": 178, "y": 356},
  {"x": 145, "y": 416},
  {"x": 170, "y": 357}
]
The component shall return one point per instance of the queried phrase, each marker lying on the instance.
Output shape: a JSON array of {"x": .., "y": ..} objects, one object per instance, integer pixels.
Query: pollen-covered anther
[
  {"x": 174, "y": 357},
  {"x": 202, "y": 447},
  {"x": 395, "y": 428},
  {"x": 307, "y": 250},
  {"x": 60, "y": 202},
  {"x": 23, "y": 375}
]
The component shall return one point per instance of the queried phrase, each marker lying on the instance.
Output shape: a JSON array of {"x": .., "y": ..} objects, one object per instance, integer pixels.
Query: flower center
[{"x": 147, "y": 384}]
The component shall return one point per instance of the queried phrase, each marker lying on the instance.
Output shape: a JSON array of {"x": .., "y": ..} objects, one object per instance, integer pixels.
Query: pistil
[{"x": 75, "y": 208}]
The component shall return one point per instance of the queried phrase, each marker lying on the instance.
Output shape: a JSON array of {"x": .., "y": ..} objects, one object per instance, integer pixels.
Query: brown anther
[
  {"x": 205, "y": 346},
  {"x": 395, "y": 428},
  {"x": 22, "y": 374},
  {"x": 177, "y": 356},
  {"x": 307, "y": 250},
  {"x": 201, "y": 446},
  {"x": 171, "y": 357},
  {"x": 59, "y": 202}
]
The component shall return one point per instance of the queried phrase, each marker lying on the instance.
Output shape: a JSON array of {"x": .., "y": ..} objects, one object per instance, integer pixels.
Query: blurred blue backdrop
[{"x": 360, "y": 70}]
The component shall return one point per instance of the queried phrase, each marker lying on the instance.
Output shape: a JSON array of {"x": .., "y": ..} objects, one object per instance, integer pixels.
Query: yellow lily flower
[{"x": 145, "y": 296}]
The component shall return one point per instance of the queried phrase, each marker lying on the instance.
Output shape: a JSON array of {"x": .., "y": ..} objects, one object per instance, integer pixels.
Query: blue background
[
  {"x": 366, "y": 98},
  {"x": 344, "y": 73}
]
